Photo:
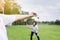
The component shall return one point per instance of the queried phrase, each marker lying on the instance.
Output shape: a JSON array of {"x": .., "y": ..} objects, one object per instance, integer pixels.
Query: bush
[
  {"x": 18, "y": 22},
  {"x": 21, "y": 22},
  {"x": 57, "y": 22}
]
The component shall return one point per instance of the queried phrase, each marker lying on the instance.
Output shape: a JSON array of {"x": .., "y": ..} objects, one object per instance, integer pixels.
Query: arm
[
  {"x": 36, "y": 29},
  {"x": 20, "y": 17},
  {"x": 11, "y": 18}
]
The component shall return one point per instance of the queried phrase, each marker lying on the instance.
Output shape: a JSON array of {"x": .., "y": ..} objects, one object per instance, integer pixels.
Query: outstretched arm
[
  {"x": 11, "y": 18},
  {"x": 20, "y": 17}
]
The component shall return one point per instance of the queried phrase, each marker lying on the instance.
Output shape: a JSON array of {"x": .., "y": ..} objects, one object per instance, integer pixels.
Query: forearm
[{"x": 20, "y": 17}]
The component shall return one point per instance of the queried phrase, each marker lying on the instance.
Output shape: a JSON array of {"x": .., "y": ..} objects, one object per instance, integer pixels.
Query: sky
[{"x": 47, "y": 10}]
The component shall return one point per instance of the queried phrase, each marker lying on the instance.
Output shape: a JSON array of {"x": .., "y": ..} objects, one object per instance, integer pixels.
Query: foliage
[
  {"x": 30, "y": 21},
  {"x": 21, "y": 22},
  {"x": 11, "y": 7},
  {"x": 18, "y": 22},
  {"x": 57, "y": 22}
]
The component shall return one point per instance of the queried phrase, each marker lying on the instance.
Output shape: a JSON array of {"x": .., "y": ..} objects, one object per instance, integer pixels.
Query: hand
[{"x": 33, "y": 14}]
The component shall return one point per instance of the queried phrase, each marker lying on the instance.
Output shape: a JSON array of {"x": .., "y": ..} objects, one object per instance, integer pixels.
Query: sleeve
[
  {"x": 8, "y": 19},
  {"x": 37, "y": 27}
]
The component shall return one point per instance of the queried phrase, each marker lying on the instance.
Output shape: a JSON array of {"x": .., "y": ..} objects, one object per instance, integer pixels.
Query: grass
[{"x": 46, "y": 32}]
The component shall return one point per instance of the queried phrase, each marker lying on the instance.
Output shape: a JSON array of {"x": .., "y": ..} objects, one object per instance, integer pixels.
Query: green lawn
[{"x": 46, "y": 32}]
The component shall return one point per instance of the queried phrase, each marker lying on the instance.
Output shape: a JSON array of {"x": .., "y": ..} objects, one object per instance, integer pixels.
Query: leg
[
  {"x": 31, "y": 35},
  {"x": 37, "y": 36}
]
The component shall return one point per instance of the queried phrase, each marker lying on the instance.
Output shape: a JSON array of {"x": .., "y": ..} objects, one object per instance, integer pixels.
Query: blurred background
[
  {"x": 48, "y": 10},
  {"x": 48, "y": 18}
]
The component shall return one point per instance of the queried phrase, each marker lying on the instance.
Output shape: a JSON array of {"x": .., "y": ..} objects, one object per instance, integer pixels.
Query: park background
[{"x": 48, "y": 18}]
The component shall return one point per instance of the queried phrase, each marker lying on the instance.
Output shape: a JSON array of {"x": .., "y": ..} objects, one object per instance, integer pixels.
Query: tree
[
  {"x": 18, "y": 22},
  {"x": 11, "y": 7},
  {"x": 57, "y": 22},
  {"x": 7, "y": 8},
  {"x": 29, "y": 21}
]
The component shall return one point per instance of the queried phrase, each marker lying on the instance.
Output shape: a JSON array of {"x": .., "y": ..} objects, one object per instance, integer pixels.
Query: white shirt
[
  {"x": 34, "y": 28},
  {"x": 4, "y": 20},
  {"x": 35, "y": 18}
]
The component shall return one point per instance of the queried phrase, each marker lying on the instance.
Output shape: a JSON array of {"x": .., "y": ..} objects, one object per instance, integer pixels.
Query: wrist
[{"x": 31, "y": 15}]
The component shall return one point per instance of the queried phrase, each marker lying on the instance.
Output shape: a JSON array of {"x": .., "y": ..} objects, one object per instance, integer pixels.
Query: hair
[{"x": 35, "y": 22}]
